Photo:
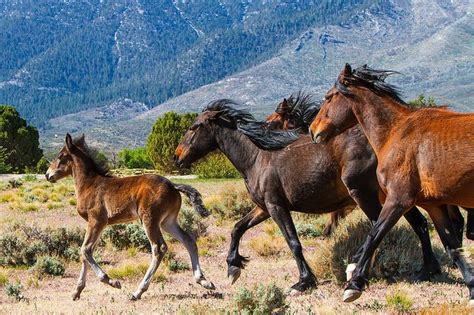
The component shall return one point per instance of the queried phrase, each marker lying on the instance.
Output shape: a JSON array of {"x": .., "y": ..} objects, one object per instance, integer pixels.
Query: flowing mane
[
  {"x": 302, "y": 109},
  {"x": 257, "y": 131},
  {"x": 372, "y": 79},
  {"x": 90, "y": 155}
]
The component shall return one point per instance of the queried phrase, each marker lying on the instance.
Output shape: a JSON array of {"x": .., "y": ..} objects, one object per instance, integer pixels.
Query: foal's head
[
  {"x": 73, "y": 152},
  {"x": 336, "y": 114}
]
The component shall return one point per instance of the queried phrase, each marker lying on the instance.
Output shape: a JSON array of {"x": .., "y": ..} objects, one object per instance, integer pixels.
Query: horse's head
[
  {"x": 335, "y": 115},
  {"x": 280, "y": 119},
  {"x": 62, "y": 165},
  {"x": 198, "y": 140}
]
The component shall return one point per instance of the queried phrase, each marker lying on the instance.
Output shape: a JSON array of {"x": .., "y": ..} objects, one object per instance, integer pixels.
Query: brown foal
[
  {"x": 425, "y": 158},
  {"x": 104, "y": 200}
]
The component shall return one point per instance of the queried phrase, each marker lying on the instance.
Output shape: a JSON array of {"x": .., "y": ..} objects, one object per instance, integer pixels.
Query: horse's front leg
[
  {"x": 236, "y": 262},
  {"x": 94, "y": 229},
  {"x": 392, "y": 211},
  {"x": 284, "y": 221}
]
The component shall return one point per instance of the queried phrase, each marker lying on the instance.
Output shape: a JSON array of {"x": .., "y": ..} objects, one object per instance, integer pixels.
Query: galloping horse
[
  {"x": 425, "y": 157},
  {"x": 297, "y": 112},
  {"x": 104, "y": 200},
  {"x": 279, "y": 181}
]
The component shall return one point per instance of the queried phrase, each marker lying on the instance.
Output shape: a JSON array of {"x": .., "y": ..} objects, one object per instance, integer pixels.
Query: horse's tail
[{"x": 195, "y": 198}]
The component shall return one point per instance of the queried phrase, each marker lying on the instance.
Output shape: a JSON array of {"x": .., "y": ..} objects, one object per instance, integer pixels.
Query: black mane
[
  {"x": 255, "y": 130},
  {"x": 372, "y": 79},
  {"x": 303, "y": 109},
  {"x": 98, "y": 166}
]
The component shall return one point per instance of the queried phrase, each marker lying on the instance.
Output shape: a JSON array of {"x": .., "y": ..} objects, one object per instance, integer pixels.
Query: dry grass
[{"x": 177, "y": 292}]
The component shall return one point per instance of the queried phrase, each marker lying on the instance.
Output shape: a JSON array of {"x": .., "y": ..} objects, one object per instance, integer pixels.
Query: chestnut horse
[
  {"x": 297, "y": 112},
  {"x": 104, "y": 200},
  {"x": 425, "y": 157},
  {"x": 278, "y": 181}
]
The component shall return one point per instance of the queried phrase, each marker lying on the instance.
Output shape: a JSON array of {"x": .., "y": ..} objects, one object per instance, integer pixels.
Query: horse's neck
[
  {"x": 237, "y": 148},
  {"x": 378, "y": 118},
  {"x": 82, "y": 177}
]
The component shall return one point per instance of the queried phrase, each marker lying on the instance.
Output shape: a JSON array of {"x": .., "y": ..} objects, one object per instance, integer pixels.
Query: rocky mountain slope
[{"x": 430, "y": 42}]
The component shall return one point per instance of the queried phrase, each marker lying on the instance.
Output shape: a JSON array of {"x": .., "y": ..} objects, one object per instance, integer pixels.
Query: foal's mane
[
  {"x": 90, "y": 154},
  {"x": 303, "y": 109},
  {"x": 247, "y": 124},
  {"x": 372, "y": 79}
]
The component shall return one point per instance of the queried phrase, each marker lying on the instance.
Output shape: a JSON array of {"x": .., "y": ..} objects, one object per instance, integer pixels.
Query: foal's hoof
[
  {"x": 350, "y": 295},
  {"x": 208, "y": 285},
  {"x": 350, "y": 270},
  {"x": 76, "y": 296},
  {"x": 294, "y": 292},
  {"x": 233, "y": 273},
  {"x": 116, "y": 284},
  {"x": 134, "y": 298}
]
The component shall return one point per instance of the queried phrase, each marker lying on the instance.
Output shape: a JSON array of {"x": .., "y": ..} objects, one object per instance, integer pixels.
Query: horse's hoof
[
  {"x": 116, "y": 284},
  {"x": 133, "y": 297},
  {"x": 350, "y": 270},
  {"x": 208, "y": 285},
  {"x": 76, "y": 296},
  {"x": 350, "y": 295},
  {"x": 233, "y": 273},
  {"x": 294, "y": 292},
  {"x": 471, "y": 304}
]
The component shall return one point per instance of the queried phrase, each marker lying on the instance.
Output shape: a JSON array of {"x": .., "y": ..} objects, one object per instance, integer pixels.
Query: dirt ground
[{"x": 178, "y": 294}]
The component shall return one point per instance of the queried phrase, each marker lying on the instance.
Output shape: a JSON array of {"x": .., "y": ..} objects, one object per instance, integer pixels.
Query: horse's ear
[
  {"x": 347, "y": 71},
  {"x": 213, "y": 115},
  {"x": 282, "y": 107},
  {"x": 81, "y": 141},
  {"x": 69, "y": 143}
]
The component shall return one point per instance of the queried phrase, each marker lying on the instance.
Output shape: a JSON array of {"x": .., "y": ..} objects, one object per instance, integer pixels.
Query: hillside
[{"x": 430, "y": 43}]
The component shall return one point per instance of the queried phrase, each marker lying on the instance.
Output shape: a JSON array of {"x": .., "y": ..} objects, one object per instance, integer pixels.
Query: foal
[{"x": 104, "y": 200}]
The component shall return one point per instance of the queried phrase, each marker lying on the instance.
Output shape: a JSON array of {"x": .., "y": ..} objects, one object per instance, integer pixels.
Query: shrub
[
  {"x": 400, "y": 301},
  {"x": 215, "y": 165},
  {"x": 191, "y": 222},
  {"x": 127, "y": 235},
  {"x": 391, "y": 263},
  {"x": 266, "y": 245},
  {"x": 308, "y": 230},
  {"x": 3, "y": 279},
  {"x": 175, "y": 265},
  {"x": 262, "y": 300},
  {"x": 42, "y": 166},
  {"x": 164, "y": 138},
  {"x": 230, "y": 204},
  {"x": 47, "y": 265},
  {"x": 29, "y": 178},
  {"x": 134, "y": 158},
  {"x": 14, "y": 290}
]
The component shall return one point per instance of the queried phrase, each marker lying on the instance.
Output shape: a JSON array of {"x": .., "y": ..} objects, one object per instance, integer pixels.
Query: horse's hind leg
[
  {"x": 470, "y": 224},
  {"x": 92, "y": 236},
  {"x": 235, "y": 261},
  {"x": 334, "y": 220},
  {"x": 171, "y": 226},
  {"x": 158, "y": 251},
  {"x": 81, "y": 283},
  {"x": 457, "y": 219}
]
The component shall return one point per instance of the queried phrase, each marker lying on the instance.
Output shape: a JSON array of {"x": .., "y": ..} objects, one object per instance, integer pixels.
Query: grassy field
[{"x": 40, "y": 278}]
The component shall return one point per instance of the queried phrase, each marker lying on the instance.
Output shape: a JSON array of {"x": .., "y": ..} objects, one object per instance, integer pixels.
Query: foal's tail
[{"x": 195, "y": 198}]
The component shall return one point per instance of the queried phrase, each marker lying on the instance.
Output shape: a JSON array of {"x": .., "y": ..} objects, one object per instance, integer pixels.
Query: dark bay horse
[
  {"x": 297, "y": 112},
  {"x": 425, "y": 157},
  {"x": 300, "y": 177},
  {"x": 103, "y": 199}
]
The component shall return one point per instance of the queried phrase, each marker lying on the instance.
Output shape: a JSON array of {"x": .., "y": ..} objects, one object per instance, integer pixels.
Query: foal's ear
[
  {"x": 81, "y": 141},
  {"x": 69, "y": 144},
  {"x": 347, "y": 71}
]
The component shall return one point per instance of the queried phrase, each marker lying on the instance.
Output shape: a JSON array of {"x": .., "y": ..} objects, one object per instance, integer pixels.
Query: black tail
[{"x": 195, "y": 198}]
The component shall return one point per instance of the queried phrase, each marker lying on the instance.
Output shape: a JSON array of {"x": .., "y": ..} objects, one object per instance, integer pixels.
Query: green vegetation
[
  {"x": 14, "y": 291},
  {"x": 122, "y": 236},
  {"x": 215, "y": 165},
  {"x": 47, "y": 265},
  {"x": 164, "y": 138},
  {"x": 261, "y": 300},
  {"x": 400, "y": 301},
  {"x": 421, "y": 101},
  {"x": 230, "y": 204},
  {"x": 135, "y": 158},
  {"x": 19, "y": 142}
]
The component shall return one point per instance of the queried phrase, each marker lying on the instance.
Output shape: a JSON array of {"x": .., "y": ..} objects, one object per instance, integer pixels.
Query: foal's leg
[
  {"x": 333, "y": 221},
  {"x": 236, "y": 262},
  {"x": 453, "y": 245},
  {"x": 284, "y": 221},
  {"x": 81, "y": 283},
  {"x": 158, "y": 251},
  {"x": 171, "y": 226},
  {"x": 92, "y": 236},
  {"x": 392, "y": 211}
]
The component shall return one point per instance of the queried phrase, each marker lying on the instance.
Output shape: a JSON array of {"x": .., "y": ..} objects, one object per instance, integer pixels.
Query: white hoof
[
  {"x": 294, "y": 292},
  {"x": 471, "y": 304},
  {"x": 350, "y": 270},
  {"x": 350, "y": 295}
]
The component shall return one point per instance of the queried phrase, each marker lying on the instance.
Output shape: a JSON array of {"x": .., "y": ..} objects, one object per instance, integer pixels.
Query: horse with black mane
[
  {"x": 282, "y": 177},
  {"x": 425, "y": 157},
  {"x": 103, "y": 200}
]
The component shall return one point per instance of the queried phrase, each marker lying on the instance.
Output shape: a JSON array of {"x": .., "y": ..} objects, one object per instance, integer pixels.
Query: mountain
[{"x": 253, "y": 51}]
